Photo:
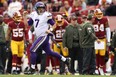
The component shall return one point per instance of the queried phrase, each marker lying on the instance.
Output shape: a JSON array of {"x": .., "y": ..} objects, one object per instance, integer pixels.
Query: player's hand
[
  {"x": 25, "y": 13},
  {"x": 30, "y": 41},
  {"x": 115, "y": 49},
  {"x": 108, "y": 43},
  {"x": 58, "y": 45},
  {"x": 27, "y": 43},
  {"x": 98, "y": 41},
  {"x": 65, "y": 49},
  {"x": 7, "y": 46},
  {"x": 48, "y": 31},
  {"x": 50, "y": 34}
]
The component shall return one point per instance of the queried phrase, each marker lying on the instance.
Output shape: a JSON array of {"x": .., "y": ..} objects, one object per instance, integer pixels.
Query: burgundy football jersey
[
  {"x": 17, "y": 30},
  {"x": 59, "y": 31},
  {"x": 99, "y": 27}
]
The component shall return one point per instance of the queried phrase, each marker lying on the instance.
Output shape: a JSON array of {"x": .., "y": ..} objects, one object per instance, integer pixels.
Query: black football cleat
[
  {"x": 14, "y": 72},
  {"x": 113, "y": 73},
  {"x": 31, "y": 71},
  {"x": 68, "y": 62},
  {"x": 26, "y": 70}
]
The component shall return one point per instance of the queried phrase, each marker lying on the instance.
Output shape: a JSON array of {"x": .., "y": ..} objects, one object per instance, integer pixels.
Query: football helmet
[
  {"x": 40, "y": 7},
  {"x": 17, "y": 16},
  {"x": 98, "y": 14},
  {"x": 59, "y": 19}
]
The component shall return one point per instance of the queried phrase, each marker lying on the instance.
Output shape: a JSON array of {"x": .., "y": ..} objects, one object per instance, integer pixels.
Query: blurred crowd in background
[{"x": 65, "y": 6}]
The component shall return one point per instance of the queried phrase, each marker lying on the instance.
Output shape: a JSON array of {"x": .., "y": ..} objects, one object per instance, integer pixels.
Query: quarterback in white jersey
[
  {"x": 41, "y": 22},
  {"x": 41, "y": 19}
]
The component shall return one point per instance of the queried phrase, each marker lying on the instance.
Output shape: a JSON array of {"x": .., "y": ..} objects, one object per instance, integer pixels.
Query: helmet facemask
[
  {"x": 17, "y": 17},
  {"x": 59, "y": 20},
  {"x": 98, "y": 14},
  {"x": 40, "y": 10}
]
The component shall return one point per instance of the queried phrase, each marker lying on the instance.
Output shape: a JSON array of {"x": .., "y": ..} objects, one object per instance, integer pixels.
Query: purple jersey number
[{"x": 37, "y": 21}]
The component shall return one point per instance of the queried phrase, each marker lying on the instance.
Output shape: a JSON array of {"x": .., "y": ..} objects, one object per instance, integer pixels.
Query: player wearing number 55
[{"x": 16, "y": 31}]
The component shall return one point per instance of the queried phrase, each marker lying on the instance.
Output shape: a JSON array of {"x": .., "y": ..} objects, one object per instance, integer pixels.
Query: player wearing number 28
[
  {"x": 16, "y": 31},
  {"x": 102, "y": 31},
  {"x": 61, "y": 24}
]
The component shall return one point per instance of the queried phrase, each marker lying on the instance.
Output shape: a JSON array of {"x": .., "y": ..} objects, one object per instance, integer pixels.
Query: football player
[
  {"x": 61, "y": 23},
  {"x": 103, "y": 33},
  {"x": 41, "y": 19},
  {"x": 16, "y": 30}
]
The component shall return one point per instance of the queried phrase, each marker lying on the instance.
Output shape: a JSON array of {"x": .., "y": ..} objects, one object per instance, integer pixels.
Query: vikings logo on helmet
[
  {"x": 40, "y": 7},
  {"x": 98, "y": 13}
]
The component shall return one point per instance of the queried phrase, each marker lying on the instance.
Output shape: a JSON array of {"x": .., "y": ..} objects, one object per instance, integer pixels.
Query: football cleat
[
  {"x": 31, "y": 71},
  {"x": 68, "y": 62},
  {"x": 26, "y": 70},
  {"x": 14, "y": 72},
  {"x": 113, "y": 73},
  {"x": 101, "y": 71}
]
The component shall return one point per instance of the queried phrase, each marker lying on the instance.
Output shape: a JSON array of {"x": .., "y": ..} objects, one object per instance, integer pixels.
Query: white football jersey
[{"x": 40, "y": 23}]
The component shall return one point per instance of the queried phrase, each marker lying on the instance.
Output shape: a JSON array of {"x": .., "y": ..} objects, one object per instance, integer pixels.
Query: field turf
[{"x": 54, "y": 76}]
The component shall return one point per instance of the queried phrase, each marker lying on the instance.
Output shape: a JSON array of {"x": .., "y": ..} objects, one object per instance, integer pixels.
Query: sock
[
  {"x": 18, "y": 68},
  {"x": 19, "y": 62},
  {"x": 33, "y": 66},
  {"x": 13, "y": 68},
  {"x": 63, "y": 58},
  {"x": 97, "y": 60},
  {"x": 14, "y": 62},
  {"x": 102, "y": 61}
]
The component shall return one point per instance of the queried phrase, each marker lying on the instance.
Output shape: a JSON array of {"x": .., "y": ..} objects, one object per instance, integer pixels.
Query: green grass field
[{"x": 54, "y": 76}]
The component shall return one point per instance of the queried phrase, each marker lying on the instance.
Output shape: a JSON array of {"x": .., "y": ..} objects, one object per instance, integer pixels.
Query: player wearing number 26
[
  {"x": 16, "y": 32},
  {"x": 102, "y": 31}
]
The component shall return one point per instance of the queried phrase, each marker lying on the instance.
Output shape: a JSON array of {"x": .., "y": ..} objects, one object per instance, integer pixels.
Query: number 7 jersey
[
  {"x": 40, "y": 23},
  {"x": 100, "y": 27}
]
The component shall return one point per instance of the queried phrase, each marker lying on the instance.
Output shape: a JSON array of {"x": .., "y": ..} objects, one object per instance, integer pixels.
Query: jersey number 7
[{"x": 37, "y": 21}]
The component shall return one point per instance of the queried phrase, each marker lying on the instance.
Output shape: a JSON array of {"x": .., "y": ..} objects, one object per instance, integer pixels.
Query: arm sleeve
[
  {"x": 30, "y": 34},
  {"x": 49, "y": 18},
  {"x": 108, "y": 34},
  {"x": 30, "y": 22},
  {"x": 51, "y": 22}
]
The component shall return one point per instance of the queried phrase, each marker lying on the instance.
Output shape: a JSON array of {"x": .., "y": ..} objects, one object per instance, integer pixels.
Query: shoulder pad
[
  {"x": 32, "y": 14},
  {"x": 49, "y": 15}
]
